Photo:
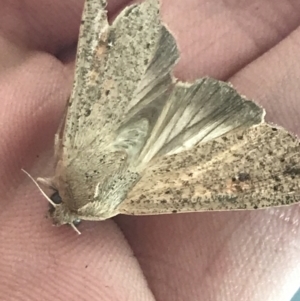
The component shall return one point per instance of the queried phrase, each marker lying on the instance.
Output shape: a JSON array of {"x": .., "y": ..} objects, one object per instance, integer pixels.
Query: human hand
[{"x": 200, "y": 256}]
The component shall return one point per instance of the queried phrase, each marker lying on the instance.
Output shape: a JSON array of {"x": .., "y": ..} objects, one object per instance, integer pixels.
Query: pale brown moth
[{"x": 136, "y": 140}]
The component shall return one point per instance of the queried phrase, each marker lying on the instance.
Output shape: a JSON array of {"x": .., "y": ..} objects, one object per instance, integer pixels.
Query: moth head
[{"x": 59, "y": 212}]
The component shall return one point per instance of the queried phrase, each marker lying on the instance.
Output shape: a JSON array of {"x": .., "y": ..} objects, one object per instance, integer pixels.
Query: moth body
[
  {"x": 98, "y": 190},
  {"x": 136, "y": 140}
]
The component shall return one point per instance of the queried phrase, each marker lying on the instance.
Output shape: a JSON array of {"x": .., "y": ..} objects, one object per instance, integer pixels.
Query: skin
[{"x": 208, "y": 256}]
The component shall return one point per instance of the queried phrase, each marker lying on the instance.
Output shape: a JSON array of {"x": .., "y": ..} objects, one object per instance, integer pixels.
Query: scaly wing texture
[
  {"x": 110, "y": 64},
  {"x": 167, "y": 116},
  {"x": 197, "y": 112},
  {"x": 126, "y": 100},
  {"x": 254, "y": 168},
  {"x": 123, "y": 81}
]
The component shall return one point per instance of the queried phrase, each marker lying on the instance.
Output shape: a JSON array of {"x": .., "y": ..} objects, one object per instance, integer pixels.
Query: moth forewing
[
  {"x": 136, "y": 140},
  {"x": 254, "y": 168},
  {"x": 118, "y": 60}
]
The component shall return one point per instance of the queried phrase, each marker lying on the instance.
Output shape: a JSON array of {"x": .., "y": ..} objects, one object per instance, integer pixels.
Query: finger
[{"x": 218, "y": 38}]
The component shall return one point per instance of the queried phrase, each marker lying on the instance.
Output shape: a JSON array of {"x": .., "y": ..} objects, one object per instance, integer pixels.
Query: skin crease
[{"x": 200, "y": 256}]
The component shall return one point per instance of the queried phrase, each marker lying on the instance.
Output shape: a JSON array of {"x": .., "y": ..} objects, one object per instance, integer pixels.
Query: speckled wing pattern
[
  {"x": 255, "y": 168},
  {"x": 111, "y": 62},
  {"x": 177, "y": 142}
]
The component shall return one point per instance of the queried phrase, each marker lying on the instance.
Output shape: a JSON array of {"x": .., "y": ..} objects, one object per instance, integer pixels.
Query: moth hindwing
[{"x": 136, "y": 140}]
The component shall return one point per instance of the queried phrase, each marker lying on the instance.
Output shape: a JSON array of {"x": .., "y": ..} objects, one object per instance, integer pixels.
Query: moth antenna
[
  {"x": 75, "y": 228},
  {"x": 40, "y": 189}
]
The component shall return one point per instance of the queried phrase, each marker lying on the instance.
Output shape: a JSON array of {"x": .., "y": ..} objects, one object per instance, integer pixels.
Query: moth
[{"x": 136, "y": 140}]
